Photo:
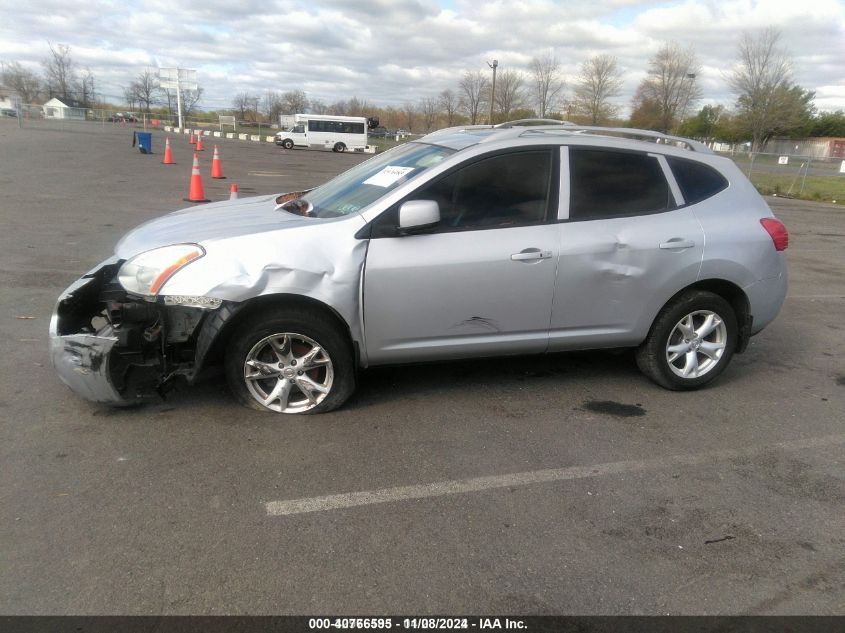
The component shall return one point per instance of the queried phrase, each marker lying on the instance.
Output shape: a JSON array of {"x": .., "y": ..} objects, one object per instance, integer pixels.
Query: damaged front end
[{"x": 112, "y": 347}]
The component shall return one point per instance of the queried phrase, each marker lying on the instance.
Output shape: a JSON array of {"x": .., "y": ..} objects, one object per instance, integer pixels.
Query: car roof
[{"x": 458, "y": 138}]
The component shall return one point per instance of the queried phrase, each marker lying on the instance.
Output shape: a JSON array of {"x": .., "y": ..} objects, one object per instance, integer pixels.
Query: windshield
[{"x": 364, "y": 184}]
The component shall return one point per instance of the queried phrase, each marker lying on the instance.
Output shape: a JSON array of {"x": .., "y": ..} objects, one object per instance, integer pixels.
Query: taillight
[{"x": 777, "y": 231}]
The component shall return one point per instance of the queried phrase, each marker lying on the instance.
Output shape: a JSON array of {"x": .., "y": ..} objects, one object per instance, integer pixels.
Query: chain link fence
[
  {"x": 794, "y": 175},
  {"x": 93, "y": 119},
  {"x": 64, "y": 118}
]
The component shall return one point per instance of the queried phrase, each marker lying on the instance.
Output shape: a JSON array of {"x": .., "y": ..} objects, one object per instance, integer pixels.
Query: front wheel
[
  {"x": 339, "y": 147},
  {"x": 287, "y": 144},
  {"x": 690, "y": 343},
  {"x": 291, "y": 362}
]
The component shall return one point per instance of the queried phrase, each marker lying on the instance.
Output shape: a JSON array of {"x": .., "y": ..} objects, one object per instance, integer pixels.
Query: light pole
[
  {"x": 690, "y": 87},
  {"x": 493, "y": 88}
]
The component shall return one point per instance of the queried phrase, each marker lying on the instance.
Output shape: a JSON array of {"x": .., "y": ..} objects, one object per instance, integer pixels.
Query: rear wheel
[
  {"x": 339, "y": 147},
  {"x": 690, "y": 343},
  {"x": 290, "y": 362}
]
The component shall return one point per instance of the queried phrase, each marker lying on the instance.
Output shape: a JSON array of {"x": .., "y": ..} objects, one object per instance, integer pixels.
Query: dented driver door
[
  {"x": 481, "y": 282},
  {"x": 458, "y": 295}
]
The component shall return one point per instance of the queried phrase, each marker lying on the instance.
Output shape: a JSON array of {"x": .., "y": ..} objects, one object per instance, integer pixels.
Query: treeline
[
  {"x": 60, "y": 77},
  {"x": 768, "y": 102},
  {"x": 542, "y": 92}
]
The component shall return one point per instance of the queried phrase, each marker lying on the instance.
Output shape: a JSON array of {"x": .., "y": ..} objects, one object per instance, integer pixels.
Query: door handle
[
  {"x": 530, "y": 254},
  {"x": 676, "y": 243}
]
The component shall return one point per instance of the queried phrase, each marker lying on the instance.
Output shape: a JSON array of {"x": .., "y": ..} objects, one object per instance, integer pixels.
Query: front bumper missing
[{"x": 106, "y": 346}]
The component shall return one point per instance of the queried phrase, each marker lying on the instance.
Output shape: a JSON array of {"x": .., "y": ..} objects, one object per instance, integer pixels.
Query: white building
[
  {"x": 55, "y": 109},
  {"x": 9, "y": 99}
]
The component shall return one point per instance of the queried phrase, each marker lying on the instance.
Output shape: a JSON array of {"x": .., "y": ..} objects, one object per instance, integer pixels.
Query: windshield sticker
[{"x": 388, "y": 176}]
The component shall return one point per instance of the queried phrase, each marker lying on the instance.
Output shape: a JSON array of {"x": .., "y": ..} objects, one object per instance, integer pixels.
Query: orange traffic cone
[
  {"x": 233, "y": 192},
  {"x": 193, "y": 141},
  {"x": 200, "y": 147},
  {"x": 196, "y": 194},
  {"x": 216, "y": 170},
  {"x": 168, "y": 154}
]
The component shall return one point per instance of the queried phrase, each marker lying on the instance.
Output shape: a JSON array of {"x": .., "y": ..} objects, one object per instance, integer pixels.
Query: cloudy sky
[{"x": 392, "y": 51}]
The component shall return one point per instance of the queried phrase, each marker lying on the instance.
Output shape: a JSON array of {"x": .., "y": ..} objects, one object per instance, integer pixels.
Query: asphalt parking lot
[{"x": 559, "y": 484}]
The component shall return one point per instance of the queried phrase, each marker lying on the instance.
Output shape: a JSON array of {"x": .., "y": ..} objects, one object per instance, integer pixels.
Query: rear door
[{"x": 627, "y": 245}]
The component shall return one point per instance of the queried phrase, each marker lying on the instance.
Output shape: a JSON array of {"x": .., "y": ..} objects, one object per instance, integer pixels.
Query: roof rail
[
  {"x": 457, "y": 128},
  {"x": 631, "y": 133},
  {"x": 531, "y": 123}
]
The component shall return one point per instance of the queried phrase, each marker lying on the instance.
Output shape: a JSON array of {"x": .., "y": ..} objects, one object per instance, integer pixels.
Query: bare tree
[
  {"x": 273, "y": 105},
  {"x": 391, "y": 117},
  {"x": 146, "y": 89},
  {"x": 294, "y": 102},
  {"x": 510, "y": 93},
  {"x": 474, "y": 88},
  {"x": 599, "y": 81},
  {"x": 548, "y": 84},
  {"x": 60, "y": 72},
  {"x": 410, "y": 111},
  {"x": 243, "y": 103},
  {"x": 130, "y": 96},
  {"x": 761, "y": 79},
  {"x": 353, "y": 107},
  {"x": 86, "y": 90},
  {"x": 429, "y": 111},
  {"x": 317, "y": 107},
  {"x": 448, "y": 102},
  {"x": 671, "y": 83},
  {"x": 21, "y": 80},
  {"x": 359, "y": 107},
  {"x": 190, "y": 99}
]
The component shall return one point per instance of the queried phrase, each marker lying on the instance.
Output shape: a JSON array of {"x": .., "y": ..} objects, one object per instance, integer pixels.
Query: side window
[
  {"x": 501, "y": 191},
  {"x": 606, "y": 184},
  {"x": 696, "y": 180}
]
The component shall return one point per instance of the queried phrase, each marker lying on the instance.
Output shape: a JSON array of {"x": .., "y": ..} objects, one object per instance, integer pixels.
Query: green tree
[
  {"x": 768, "y": 102},
  {"x": 828, "y": 124},
  {"x": 704, "y": 124},
  {"x": 670, "y": 86}
]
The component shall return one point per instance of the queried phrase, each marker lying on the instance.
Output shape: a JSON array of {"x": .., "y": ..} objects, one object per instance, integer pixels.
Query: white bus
[{"x": 340, "y": 133}]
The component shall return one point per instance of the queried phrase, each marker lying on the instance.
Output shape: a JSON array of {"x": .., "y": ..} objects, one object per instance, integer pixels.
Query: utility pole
[{"x": 493, "y": 88}]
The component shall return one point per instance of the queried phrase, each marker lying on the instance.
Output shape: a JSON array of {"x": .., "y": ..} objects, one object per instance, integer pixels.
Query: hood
[{"x": 230, "y": 218}]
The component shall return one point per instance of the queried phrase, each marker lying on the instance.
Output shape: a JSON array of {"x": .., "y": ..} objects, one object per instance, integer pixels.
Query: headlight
[{"x": 146, "y": 273}]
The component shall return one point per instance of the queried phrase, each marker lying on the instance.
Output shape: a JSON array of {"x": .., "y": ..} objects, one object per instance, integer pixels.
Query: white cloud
[{"x": 392, "y": 51}]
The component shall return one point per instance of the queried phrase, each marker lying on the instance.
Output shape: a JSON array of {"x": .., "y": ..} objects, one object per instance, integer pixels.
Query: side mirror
[{"x": 418, "y": 215}]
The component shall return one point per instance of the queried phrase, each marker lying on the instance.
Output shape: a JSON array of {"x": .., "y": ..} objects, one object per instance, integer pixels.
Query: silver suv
[{"x": 465, "y": 243}]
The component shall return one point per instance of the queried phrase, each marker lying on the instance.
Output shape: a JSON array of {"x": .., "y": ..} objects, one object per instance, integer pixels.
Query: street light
[{"x": 493, "y": 89}]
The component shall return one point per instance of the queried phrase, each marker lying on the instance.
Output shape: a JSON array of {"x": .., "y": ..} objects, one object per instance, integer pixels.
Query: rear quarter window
[{"x": 696, "y": 180}]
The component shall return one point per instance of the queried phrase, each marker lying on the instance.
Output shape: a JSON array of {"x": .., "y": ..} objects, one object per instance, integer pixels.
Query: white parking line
[{"x": 476, "y": 484}]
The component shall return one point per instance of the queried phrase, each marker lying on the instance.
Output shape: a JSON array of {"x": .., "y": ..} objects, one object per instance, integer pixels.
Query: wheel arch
[
  {"x": 216, "y": 332},
  {"x": 735, "y": 296}
]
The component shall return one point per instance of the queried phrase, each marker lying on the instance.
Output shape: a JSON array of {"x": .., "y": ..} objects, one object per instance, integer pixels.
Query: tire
[
  {"x": 339, "y": 147},
  {"x": 277, "y": 345},
  {"x": 287, "y": 144},
  {"x": 702, "y": 329}
]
